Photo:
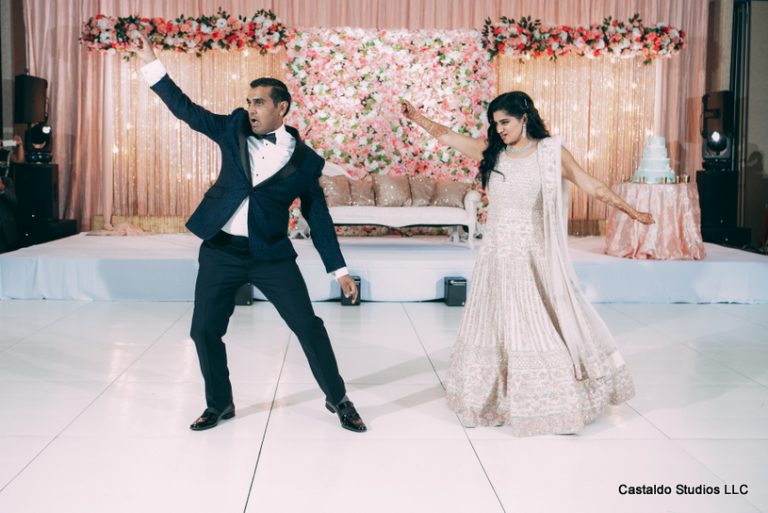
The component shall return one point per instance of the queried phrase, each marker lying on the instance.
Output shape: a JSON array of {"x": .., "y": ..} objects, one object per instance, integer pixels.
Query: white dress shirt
[{"x": 266, "y": 159}]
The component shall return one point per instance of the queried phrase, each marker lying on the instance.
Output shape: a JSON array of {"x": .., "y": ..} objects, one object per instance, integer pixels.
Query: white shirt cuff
[
  {"x": 338, "y": 273},
  {"x": 153, "y": 72}
]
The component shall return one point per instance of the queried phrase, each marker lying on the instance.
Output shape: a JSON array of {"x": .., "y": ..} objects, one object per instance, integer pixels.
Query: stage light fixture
[
  {"x": 717, "y": 130},
  {"x": 717, "y": 142},
  {"x": 37, "y": 142}
]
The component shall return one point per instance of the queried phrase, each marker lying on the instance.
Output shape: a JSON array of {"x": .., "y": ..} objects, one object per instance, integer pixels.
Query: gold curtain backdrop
[
  {"x": 602, "y": 109},
  {"x": 161, "y": 167}
]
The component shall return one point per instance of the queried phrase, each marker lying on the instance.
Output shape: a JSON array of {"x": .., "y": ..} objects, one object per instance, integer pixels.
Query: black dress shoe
[
  {"x": 211, "y": 417},
  {"x": 348, "y": 416}
]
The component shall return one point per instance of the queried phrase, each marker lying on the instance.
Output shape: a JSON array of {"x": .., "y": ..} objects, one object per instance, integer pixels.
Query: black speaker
[
  {"x": 244, "y": 295},
  {"x": 455, "y": 290},
  {"x": 735, "y": 236},
  {"x": 29, "y": 99},
  {"x": 718, "y": 113},
  {"x": 718, "y": 197},
  {"x": 347, "y": 301},
  {"x": 39, "y": 232},
  {"x": 37, "y": 189}
]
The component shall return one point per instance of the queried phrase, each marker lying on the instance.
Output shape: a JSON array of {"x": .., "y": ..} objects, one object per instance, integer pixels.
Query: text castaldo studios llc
[{"x": 684, "y": 489}]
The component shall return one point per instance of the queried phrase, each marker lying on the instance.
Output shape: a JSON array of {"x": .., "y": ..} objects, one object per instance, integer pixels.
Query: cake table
[{"x": 676, "y": 235}]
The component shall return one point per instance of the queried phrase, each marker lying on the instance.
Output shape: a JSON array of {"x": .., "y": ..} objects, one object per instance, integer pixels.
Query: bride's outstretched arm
[
  {"x": 472, "y": 148},
  {"x": 597, "y": 189}
]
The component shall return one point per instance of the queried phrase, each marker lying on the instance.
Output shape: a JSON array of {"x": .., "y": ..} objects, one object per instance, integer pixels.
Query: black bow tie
[{"x": 271, "y": 137}]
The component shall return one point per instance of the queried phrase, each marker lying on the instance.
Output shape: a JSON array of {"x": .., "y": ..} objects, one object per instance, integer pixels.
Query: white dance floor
[
  {"x": 163, "y": 268},
  {"x": 96, "y": 397}
]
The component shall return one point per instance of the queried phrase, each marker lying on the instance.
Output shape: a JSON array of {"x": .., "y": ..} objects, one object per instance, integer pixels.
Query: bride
[{"x": 531, "y": 352}]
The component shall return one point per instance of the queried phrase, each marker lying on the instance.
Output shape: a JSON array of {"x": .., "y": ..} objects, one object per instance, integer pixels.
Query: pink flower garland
[
  {"x": 528, "y": 38},
  {"x": 262, "y": 32}
]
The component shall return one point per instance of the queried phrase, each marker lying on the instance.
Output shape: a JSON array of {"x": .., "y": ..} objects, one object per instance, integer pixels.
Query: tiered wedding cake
[{"x": 654, "y": 166}]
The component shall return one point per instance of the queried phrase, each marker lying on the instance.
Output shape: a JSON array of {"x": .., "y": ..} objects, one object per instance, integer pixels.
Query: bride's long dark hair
[{"x": 516, "y": 104}]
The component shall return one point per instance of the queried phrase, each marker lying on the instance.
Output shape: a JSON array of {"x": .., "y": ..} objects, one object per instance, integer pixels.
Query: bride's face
[{"x": 509, "y": 128}]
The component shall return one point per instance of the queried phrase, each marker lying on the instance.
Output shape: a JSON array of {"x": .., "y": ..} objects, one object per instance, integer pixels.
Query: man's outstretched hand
[{"x": 143, "y": 47}]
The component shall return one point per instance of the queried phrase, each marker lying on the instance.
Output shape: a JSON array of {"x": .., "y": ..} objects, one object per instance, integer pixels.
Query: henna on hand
[
  {"x": 608, "y": 197},
  {"x": 434, "y": 129}
]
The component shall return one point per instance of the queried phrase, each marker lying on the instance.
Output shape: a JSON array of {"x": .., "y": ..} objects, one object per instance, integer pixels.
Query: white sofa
[{"x": 399, "y": 217}]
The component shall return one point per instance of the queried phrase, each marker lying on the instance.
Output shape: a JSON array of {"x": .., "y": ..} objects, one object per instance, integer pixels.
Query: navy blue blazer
[{"x": 269, "y": 201}]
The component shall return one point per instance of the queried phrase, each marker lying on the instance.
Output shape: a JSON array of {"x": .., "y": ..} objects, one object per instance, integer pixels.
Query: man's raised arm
[{"x": 198, "y": 118}]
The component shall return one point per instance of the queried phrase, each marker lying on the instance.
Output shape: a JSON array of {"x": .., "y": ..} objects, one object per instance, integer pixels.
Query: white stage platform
[{"x": 163, "y": 268}]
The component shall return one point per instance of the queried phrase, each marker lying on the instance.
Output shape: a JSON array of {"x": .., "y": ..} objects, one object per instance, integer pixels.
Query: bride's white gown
[{"x": 510, "y": 364}]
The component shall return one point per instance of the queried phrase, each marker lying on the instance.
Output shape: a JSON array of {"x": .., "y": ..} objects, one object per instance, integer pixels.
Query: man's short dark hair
[{"x": 278, "y": 93}]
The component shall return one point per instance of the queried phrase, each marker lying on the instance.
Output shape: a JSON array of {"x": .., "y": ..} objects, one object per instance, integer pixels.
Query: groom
[{"x": 243, "y": 221}]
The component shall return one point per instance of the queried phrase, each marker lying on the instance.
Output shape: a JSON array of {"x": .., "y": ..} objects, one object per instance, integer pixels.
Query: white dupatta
[{"x": 585, "y": 338}]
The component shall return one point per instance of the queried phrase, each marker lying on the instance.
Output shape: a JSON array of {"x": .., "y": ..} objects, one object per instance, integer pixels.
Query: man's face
[{"x": 264, "y": 115}]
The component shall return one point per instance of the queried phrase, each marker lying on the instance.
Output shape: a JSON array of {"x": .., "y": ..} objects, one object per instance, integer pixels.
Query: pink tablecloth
[{"x": 677, "y": 232}]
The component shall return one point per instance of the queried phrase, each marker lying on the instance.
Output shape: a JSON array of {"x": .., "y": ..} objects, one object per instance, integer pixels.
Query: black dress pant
[{"x": 225, "y": 265}]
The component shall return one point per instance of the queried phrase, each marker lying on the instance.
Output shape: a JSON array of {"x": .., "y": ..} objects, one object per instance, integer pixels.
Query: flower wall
[{"x": 348, "y": 84}]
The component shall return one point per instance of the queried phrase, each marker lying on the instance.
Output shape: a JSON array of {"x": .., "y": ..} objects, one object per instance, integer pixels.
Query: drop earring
[{"x": 525, "y": 131}]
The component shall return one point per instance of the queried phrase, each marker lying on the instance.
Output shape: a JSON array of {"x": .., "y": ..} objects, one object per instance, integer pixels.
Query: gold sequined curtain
[
  {"x": 602, "y": 109},
  {"x": 161, "y": 167}
]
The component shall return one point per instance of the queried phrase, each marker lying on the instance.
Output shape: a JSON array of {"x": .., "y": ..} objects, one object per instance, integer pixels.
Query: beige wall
[{"x": 755, "y": 171}]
